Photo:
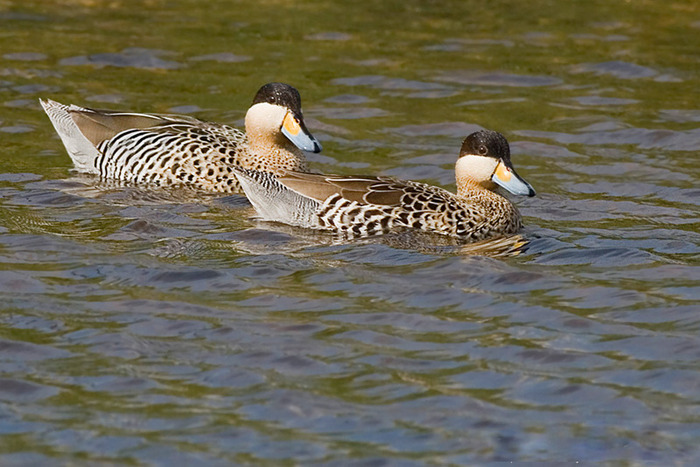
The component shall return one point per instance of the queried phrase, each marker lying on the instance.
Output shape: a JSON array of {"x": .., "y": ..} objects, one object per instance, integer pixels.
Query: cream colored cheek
[
  {"x": 478, "y": 168},
  {"x": 264, "y": 118}
]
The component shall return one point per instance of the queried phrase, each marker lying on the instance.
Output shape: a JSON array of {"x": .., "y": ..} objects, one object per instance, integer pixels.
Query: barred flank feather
[
  {"x": 482, "y": 215},
  {"x": 176, "y": 150},
  {"x": 364, "y": 206}
]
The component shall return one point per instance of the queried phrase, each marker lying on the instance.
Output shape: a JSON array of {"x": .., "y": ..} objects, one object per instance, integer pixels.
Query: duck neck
[
  {"x": 467, "y": 186},
  {"x": 490, "y": 204},
  {"x": 275, "y": 153}
]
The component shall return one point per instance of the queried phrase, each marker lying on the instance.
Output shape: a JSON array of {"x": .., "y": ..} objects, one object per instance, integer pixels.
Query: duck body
[
  {"x": 364, "y": 206},
  {"x": 173, "y": 150}
]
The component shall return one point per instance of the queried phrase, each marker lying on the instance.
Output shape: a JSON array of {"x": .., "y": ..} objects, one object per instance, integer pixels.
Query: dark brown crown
[
  {"x": 279, "y": 94},
  {"x": 486, "y": 143}
]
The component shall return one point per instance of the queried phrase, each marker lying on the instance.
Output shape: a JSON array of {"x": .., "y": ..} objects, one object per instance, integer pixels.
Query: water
[{"x": 143, "y": 328}]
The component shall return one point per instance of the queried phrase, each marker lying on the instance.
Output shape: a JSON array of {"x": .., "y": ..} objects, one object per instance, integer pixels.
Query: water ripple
[
  {"x": 616, "y": 68},
  {"x": 480, "y": 78},
  {"x": 386, "y": 83},
  {"x": 133, "y": 57},
  {"x": 144, "y": 326},
  {"x": 644, "y": 138}
]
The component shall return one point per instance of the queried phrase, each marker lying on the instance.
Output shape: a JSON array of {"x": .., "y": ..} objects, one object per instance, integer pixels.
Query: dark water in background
[{"x": 157, "y": 328}]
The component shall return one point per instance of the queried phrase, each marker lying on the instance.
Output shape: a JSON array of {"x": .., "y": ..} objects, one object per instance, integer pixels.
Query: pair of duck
[{"x": 268, "y": 164}]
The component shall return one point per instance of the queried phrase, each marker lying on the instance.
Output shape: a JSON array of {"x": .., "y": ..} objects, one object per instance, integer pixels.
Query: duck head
[
  {"x": 276, "y": 111},
  {"x": 485, "y": 159}
]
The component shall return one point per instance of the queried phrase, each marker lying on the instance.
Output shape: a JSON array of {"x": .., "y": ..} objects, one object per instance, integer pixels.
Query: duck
[
  {"x": 362, "y": 206},
  {"x": 179, "y": 150}
]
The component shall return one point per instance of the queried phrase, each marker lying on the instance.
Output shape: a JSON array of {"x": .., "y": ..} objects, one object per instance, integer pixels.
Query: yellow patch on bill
[
  {"x": 502, "y": 172},
  {"x": 291, "y": 125}
]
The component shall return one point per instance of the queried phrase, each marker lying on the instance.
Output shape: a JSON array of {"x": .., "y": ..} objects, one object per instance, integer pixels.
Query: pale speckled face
[
  {"x": 265, "y": 119},
  {"x": 478, "y": 168},
  {"x": 485, "y": 159}
]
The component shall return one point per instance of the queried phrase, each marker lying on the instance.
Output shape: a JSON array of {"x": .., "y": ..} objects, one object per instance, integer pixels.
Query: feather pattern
[
  {"x": 176, "y": 150},
  {"x": 369, "y": 205}
]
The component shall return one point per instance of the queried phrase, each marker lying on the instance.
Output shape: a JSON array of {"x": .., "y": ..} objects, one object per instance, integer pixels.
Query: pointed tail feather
[
  {"x": 81, "y": 150},
  {"x": 275, "y": 202}
]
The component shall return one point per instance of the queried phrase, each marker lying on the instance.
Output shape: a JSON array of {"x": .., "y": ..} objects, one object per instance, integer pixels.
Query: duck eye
[{"x": 483, "y": 150}]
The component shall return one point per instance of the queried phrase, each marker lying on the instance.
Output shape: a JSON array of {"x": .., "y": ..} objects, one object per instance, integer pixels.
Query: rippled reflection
[{"x": 145, "y": 326}]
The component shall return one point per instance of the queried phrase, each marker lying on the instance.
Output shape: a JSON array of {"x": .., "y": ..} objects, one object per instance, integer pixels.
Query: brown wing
[
  {"x": 99, "y": 125},
  {"x": 363, "y": 189}
]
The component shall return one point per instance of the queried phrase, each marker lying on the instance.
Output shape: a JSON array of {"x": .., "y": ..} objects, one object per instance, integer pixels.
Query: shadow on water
[{"x": 271, "y": 233}]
